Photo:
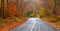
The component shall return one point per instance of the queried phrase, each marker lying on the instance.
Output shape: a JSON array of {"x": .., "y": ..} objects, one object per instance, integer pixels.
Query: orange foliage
[
  {"x": 12, "y": 9},
  {"x": 13, "y": 25}
]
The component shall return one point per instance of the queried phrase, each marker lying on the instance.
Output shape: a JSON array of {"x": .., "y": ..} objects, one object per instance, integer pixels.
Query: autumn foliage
[{"x": 21, "y": 9}]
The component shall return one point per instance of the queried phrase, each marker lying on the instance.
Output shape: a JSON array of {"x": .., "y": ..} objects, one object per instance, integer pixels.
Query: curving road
[{"x": 34, "y": 24}]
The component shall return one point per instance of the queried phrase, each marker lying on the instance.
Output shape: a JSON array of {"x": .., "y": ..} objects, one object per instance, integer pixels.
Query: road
[{"x": 34, "y": 24}]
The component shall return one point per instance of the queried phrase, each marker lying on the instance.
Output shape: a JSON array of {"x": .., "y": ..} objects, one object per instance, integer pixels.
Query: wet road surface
[{"x": 34, "y": 24}]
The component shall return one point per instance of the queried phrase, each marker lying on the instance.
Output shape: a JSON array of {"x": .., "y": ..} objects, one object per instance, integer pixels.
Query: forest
[{"x": 13, "y": 10}]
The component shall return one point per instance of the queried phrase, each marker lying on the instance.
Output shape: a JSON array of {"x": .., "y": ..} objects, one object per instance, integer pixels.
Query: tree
[
  {"x": 0, "y": 8},
  {"x": 19, "y": 8}
]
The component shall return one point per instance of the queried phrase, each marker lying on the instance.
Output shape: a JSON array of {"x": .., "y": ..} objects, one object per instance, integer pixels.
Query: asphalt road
[{"x": 34, "y": 24}]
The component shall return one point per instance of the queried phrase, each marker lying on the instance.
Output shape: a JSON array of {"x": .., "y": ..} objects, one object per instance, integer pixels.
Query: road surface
[{"x": 34, "y": 24}]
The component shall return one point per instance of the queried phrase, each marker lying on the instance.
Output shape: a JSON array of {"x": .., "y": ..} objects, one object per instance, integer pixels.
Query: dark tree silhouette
[{"x": 2, "y": 8}]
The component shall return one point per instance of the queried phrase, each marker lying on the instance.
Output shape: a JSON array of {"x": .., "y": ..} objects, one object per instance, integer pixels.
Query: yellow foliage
[{"x": 42, "y": 12}]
